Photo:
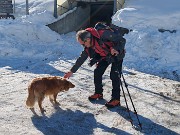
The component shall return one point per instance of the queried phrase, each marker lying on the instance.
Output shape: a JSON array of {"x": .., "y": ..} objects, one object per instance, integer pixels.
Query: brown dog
[{"x": 47, "y": 86}]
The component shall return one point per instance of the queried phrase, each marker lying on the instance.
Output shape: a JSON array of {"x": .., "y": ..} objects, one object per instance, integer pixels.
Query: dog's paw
[
  {"x": 33, "y": 111},
  {"x": 57, "y": 103},
  {"x": 43, "y": 110}
]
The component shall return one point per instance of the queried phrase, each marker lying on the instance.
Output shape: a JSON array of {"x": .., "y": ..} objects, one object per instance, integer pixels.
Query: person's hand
[
  {"x": 68, "y": 74},
  {"x": 114, "y": 52}
]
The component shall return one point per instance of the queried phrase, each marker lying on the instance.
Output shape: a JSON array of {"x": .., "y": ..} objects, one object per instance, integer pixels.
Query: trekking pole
[
  {"x": 126, "y": 85},
  {"x": 119, "y": 75},
  {"x": 135, "y": 112}
]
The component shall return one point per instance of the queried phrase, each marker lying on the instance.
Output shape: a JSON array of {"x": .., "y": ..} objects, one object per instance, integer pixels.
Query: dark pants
[{"x": 99, "y": 71}]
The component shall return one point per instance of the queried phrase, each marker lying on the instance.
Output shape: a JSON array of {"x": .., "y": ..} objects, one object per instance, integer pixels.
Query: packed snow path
[{"x": 156, "y": 101}]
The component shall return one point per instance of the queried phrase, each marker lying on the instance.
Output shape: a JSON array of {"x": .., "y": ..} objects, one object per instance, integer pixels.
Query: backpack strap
[{"x": 100, "y": 42}]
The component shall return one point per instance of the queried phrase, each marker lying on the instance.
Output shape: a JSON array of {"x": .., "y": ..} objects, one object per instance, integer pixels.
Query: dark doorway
[{"x": 101, "y": 12}]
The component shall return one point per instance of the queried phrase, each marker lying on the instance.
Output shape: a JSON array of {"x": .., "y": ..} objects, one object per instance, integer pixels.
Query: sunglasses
[{"x": 85, "y": 40}]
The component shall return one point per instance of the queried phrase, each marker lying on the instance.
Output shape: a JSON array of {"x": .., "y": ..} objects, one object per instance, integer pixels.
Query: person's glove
[{"x": 68, "y": 74}]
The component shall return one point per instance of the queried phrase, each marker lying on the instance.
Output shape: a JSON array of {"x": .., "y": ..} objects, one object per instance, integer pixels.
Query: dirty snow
[{"x": 29, "y": 49}]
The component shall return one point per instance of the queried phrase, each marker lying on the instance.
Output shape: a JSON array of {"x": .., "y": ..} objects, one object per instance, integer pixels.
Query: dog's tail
[{"x": 31, "y": 97}]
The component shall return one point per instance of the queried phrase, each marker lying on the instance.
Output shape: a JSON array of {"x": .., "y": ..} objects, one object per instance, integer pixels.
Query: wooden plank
[
  {"x": 6, "y": 6},
  {"x": 7, "y": 10},
  {"x": 7, "y": 16},
  {"x": 5, "y": 2}
]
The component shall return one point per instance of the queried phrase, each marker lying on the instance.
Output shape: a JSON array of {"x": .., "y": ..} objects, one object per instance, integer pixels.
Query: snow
[
  {"x": 29, "y": 49},
  {"x": 154, "y": 52}
]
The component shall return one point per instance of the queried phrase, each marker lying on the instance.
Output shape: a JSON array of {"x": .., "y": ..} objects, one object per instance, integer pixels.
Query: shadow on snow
[
  {"x": 148, "y": 127},
  {"x": 36, "y": 66},
  {"x": 67, "y": 122}
]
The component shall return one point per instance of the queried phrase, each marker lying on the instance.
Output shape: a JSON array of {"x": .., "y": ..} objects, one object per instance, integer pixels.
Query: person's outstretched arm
[{"x": 77, "y": 65}]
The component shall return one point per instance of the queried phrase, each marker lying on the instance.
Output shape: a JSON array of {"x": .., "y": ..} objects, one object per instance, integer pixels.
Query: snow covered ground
[{"x": 29, "y": 49}]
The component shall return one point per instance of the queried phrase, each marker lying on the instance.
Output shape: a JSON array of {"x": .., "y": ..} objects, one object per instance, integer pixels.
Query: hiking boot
[
  {"x": 95, "y": 96},
  {"x": 113, "y": 103}
]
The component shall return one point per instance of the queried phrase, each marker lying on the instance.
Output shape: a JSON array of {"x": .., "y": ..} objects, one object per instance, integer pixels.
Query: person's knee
[
  {"x": 114, "y": 76},
  {"x": 98, "y": 73}
]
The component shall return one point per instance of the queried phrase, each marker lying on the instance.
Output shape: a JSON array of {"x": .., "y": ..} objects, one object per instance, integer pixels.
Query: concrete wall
[
  {"x": 120, "y": 4},
  {"x": 80, "y": 18},
  {"x": 65, "y": 5},
  {"x": 72, "y": 22}
]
